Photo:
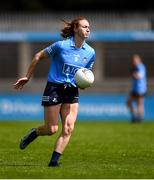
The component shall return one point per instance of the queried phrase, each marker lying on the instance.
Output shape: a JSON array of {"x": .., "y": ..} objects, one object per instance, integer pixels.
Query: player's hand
[{"x": 20, "y": 83}]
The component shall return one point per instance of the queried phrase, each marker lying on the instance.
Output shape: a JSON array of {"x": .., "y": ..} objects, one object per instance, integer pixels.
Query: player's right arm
[{"x": 38, "y": 57}]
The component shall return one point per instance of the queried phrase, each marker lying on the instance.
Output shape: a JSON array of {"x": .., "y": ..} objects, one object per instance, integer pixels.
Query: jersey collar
[{"x": 72, "y": 43}]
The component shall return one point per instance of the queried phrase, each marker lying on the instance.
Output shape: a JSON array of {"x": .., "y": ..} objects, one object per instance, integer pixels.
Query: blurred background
[{"x": 119, "y": 29}]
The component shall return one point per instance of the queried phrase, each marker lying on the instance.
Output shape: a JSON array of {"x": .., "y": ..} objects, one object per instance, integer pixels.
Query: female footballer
[
  {"x": 138, "y": 90},
  {"x": 61, "y": 94}
]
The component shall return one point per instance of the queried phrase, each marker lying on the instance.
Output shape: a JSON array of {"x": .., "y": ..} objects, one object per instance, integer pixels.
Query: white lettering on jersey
[{"x": 70, "y": 69}]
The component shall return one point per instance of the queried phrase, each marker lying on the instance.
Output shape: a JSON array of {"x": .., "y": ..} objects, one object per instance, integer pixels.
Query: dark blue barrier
[{"x": 92, "y": 107}]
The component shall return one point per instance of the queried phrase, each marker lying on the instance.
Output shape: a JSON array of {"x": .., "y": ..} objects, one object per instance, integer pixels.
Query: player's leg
[
  {"x": 68, "y": 116},
  {"x": 140, "y": 108},
  {"x": 51, "y": 115},
  {"x": 131, "y": 108}
]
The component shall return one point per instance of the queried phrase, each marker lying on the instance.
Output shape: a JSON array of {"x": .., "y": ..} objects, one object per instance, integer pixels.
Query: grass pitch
[{"x": 96, "y": 150}]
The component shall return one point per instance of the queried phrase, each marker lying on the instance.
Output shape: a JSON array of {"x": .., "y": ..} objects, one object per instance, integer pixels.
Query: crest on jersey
[
  {"x": 85, "y": 60},
  {"x": 76, "y": 57}
]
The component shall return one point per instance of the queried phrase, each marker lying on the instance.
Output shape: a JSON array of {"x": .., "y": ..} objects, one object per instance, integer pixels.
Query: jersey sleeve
[{"x": 52, "y": 49}]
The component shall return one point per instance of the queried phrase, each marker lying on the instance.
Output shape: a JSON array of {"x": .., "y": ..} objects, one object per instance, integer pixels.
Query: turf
[{"x": 103, "y": 150}]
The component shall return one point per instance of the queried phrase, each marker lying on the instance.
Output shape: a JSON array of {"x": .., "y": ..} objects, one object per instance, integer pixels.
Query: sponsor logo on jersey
[{"x": 70, "y": 69}]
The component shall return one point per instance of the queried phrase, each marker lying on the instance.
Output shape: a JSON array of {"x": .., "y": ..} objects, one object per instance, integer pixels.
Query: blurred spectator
[{"x": 135, "y": 100}]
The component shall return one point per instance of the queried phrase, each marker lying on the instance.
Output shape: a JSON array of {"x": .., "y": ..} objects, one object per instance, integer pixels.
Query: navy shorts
[
  {"x": 136, "y": 94},
  {"x": 59, "y": 94}
]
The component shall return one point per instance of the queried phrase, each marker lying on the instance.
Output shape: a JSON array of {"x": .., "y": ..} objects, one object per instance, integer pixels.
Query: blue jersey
[
  {"x": 66, "y": 59},
  {"x": 140, "y": 85}
]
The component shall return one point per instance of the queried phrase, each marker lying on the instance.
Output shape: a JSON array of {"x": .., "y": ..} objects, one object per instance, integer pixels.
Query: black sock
[{"x": 54, "y": 159}]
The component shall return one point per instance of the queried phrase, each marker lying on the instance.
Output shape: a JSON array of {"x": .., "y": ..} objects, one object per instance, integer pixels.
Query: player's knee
[
  {"x": 52, "y": 130},
  {"x": 68, "y": 130}
]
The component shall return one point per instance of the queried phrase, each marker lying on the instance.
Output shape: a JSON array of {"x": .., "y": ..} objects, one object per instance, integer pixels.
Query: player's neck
[{"x": 79, "y": 42}]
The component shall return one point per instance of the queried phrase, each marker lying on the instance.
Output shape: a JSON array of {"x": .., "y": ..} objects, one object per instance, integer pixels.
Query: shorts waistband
[{"x": 61, "y": 84}]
